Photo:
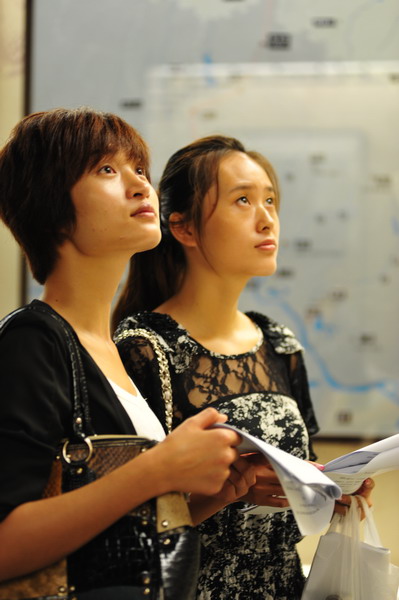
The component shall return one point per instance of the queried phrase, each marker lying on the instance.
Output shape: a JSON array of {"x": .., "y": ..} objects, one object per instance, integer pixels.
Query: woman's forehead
[{"x": 238, "y": 170}]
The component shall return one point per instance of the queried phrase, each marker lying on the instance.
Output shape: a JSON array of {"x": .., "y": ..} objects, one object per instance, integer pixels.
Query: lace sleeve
[
  {"x": 141, "y": 364},
  {"x": 301, "y": 393}
]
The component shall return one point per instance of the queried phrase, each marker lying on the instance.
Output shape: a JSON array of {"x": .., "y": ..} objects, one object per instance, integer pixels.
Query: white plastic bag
[{"x": 345, "y": 568}]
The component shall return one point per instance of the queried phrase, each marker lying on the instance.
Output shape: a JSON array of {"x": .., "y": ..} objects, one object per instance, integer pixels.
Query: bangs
[
  {"x": 263, "y": 162},
  {"x": 109, "y": 134},
  {"x": 204, "y": 175},
  {"x": 74, "y": 141}
]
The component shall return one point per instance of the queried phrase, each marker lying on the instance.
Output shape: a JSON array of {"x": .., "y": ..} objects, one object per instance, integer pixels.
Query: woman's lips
[
  {"x": 145, "y": 210},
  {"x": 268, "y": 244}
]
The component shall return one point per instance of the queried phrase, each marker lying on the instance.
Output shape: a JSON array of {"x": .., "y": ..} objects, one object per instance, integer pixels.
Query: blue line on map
[
  {"x": 302, "y": 334},
  {"x": 208, "y": 62},
  {"x": 321, "y": 325}
]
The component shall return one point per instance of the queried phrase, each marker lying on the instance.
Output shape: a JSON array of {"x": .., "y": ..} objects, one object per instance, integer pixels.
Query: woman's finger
[
  {"x": 242, "y": 476},
  {"x": 366, "y": 489},
  {"x": 343, "y": 503},
  {"x": 266, "y": 496}
]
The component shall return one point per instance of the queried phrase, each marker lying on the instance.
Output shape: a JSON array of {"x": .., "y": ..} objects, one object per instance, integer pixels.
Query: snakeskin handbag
[{"x": 152, "y": 552}]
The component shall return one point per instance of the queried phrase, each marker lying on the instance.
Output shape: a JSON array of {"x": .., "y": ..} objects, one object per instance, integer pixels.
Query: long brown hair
[{"x": 156, "y": 275}]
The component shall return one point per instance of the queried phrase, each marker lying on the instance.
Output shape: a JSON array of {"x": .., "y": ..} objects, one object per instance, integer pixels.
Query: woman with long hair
[{"x": 220, "y": 225}]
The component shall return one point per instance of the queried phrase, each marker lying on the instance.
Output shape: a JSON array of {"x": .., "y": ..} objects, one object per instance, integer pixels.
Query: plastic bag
[{"x": 345, "y": 568}]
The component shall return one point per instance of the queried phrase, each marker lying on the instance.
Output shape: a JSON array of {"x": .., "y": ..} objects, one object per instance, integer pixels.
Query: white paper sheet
[
  {"x": 310, "y": 493},
  {"x": 350, "y": 470}
]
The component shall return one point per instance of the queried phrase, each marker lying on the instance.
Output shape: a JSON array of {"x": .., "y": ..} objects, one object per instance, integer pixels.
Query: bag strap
[
  {"x": 371, "y": 535},
  {"x": 81, "y": 424},
  {"x": 349, "y": 524},
  {"x": 164, "y": 373}
]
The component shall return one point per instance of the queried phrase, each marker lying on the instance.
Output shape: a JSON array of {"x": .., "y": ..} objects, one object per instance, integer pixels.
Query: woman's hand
[
  {"x": 194, "y": 458},
  {"x": 242, "y": 477},
  {"x": 267, "y": 490},
  {"x": 342, "y": 504}
]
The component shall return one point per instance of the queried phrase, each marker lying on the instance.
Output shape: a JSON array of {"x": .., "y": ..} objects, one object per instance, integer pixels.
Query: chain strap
[{"x": 166, "y": 384}]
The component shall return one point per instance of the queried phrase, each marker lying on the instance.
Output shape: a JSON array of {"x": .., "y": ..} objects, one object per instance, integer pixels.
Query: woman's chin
[
  {"x": 267, "y": 270},
  {"x": 150, "y": 242}
]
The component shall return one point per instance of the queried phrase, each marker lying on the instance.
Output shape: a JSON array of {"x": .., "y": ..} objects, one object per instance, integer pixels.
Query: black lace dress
[{"x": 265, "y": 392}]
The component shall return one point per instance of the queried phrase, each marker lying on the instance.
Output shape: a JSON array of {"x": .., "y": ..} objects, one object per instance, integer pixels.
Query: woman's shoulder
[
  {"x": 281, "y": 337},
  {"x": 33, "y": 349},
  {"x": 161, "y": 324},
  {"x": 143, "y": 318},
  {"x": 172, "y": 336},
  {"x": 32, "y": 322}
]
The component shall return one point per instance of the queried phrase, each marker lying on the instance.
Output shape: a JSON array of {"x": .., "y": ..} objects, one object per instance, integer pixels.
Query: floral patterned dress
[{"x": 264, "y": 392}]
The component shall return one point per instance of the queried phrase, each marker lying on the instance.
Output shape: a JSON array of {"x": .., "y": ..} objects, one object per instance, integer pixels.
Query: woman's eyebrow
[{"x": 249, "y": 186}]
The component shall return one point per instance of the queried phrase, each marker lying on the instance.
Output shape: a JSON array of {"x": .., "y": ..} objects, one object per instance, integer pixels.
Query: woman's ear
[{"x": 183, "y": 231}]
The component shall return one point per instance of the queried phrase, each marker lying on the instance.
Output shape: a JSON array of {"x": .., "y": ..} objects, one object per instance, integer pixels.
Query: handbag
[
  {"x": 346, "y": 568},
  {"x": 152, "y": 552}
]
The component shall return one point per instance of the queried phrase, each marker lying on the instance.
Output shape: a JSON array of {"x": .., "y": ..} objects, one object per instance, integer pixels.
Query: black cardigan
[{"x": 36, "y": 404}]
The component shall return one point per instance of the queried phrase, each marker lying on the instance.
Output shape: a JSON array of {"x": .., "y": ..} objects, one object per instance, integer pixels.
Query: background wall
[
  {"x": 73, "y": 65},
  {"x": 306, "y": 84},
  {"x": 12, "y": 53}
]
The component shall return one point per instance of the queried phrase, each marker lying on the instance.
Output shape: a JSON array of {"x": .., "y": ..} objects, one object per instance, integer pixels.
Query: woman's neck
[
  {"x": 83, "y": 293},
  {"x": 208, "y": 309}
]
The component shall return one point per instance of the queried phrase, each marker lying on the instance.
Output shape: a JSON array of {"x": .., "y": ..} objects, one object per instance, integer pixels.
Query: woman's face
[
  {"x": 240, "y": 224},
  {"x": 116, "y": 209}
]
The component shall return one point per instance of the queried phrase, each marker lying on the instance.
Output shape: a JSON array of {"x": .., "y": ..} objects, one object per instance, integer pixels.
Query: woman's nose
[
  {"x": 265, "y": 219},
  {"x": 139, "y": 187}
]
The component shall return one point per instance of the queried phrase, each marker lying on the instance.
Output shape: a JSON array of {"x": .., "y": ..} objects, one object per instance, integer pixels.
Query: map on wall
[
  {"x": 337, "y": 284},
  {"x": 315, "y": 87}
]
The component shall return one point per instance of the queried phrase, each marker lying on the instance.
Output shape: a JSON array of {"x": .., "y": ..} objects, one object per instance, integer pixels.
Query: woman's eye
[
  {"x": 270, "y": 201},
  {"x": 106, "y": 169},
  {"x": 243, "y": 200},
  {"x": 140, "y": 171}
]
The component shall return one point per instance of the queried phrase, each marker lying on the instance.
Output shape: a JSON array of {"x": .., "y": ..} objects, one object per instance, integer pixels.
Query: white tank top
[{"x": 144, "y": 420}]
